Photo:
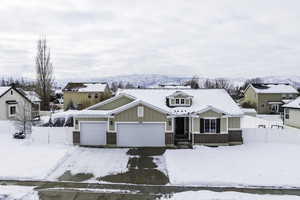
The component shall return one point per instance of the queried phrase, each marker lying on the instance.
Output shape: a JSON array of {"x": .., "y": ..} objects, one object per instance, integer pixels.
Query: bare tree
[
  {"x": 44, "y": 70},
  {"x": 23, "y": 117}
]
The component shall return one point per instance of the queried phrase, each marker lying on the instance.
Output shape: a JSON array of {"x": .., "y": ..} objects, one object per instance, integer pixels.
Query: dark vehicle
[{"x": 19, "y": 135}]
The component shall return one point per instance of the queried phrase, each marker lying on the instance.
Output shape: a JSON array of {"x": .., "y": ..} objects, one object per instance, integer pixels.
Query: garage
[
  {"x": 93, "y": 133},
  {"x": 141, "y": 134}
]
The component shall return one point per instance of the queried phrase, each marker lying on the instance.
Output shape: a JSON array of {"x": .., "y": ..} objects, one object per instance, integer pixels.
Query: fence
[
  {"x": 272, "y": 135},
  {"x": 52, "y": 135}
]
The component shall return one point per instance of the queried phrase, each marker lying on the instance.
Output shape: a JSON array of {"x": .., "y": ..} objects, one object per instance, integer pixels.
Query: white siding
[{"x": 10, "y": 97}]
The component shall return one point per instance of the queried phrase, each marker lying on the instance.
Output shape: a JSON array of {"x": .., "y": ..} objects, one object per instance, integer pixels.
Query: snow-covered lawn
[
  {"x": 17, "y": 193},
  {"x": 209, "y": 195},
  {"x": 22, "y": 159},
  {"x": 255, "y": 164},
  {"x": 97, "y": 161}
]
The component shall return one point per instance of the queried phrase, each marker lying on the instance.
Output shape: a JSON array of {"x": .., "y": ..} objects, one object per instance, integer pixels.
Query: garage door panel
[
  {"x": 145, "y": 134},
  {"x": 93, "y": 134}
]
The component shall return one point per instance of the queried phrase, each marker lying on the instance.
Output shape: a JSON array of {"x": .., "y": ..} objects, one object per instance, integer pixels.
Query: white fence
[
  {"x": 272, "y": 135},
  {"x": 52, "y": 135}
]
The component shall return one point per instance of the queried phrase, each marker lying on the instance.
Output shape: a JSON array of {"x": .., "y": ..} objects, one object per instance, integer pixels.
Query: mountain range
[{"x": 152, "y": 80}]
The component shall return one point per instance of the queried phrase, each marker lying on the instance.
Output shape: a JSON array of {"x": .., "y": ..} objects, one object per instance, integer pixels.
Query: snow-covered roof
[
  {"x": 86, "y": 87},
  {"x": 3, "y": 89},
  {"x": 274, "y": 88},
  {"x": 32, "y": 96},
  {"x": 248, "y": 110},
  {"x": 203, "y": 99},
  {"x": 293, "y": 104}
]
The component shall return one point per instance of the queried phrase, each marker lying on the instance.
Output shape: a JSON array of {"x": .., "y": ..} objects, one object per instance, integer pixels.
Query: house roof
[
  {"x": 4, "y": 89},
  {"x": 85, "y": 87},
  {"x": 293, "y": 104},
  {"x": 274, "y": 88},
  {"x": 203, "y": 99},
  {"x": 32, "y": 96}
]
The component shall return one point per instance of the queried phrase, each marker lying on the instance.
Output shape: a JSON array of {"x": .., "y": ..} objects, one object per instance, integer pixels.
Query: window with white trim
[
  {"x": 140, "y": 111},
  {"x": 12, "y": 111},
  {"x": 210, "y": 125}
]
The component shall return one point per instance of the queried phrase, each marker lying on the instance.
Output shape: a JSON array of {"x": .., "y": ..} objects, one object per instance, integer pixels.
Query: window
[
  {"x": 177, "y": 101},
  {"x": 140, "y": 111},
  {"x": 12, "y": 110},
  {"x": 287, "y": 113},
  {"x": 89, "y": 96},
  {"x": 182, "y": 101},
  {"x": 96, "y": 96},
  {"x": 210, "y": 125},
  {"x": 11, "y": 92},
  {"x": 283, "y": 96}
]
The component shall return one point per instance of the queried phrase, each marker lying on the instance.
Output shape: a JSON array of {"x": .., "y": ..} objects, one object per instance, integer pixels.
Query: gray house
[
  {"x": 160, "y": 117},
  {"x": 11, "y": 99}
]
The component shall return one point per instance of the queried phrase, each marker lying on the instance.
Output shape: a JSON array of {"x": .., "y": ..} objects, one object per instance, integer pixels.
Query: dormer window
[{"x": 180, "y": 99}]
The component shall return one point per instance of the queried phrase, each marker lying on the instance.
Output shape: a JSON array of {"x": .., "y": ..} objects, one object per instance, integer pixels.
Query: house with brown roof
[{"x": 84, "y": 94}]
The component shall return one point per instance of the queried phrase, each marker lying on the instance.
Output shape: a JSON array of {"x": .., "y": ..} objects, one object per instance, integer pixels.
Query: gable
[
  {"x": 116, "y": 103},
  {"x": 150, "y": 115},
  {"x": 210, "y": 113}
]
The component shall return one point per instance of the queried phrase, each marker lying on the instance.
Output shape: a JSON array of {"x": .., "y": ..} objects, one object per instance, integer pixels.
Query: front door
[{"x": 181, "y": 127}]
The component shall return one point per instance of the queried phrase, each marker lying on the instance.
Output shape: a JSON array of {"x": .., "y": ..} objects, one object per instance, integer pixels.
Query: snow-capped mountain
[{"x": 150, "y": 80}]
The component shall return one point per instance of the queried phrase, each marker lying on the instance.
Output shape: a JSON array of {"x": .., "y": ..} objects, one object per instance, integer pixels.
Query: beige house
[
  {"x": 160, "y": 117},
  {"x": 82, "y": 95},
  {"x": 268, "y": 98},
  {"x": 292, "y": 113},
  {"x": 12, "y": 100}
]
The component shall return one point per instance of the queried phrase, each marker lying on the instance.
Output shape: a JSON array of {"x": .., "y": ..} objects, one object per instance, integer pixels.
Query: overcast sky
[{"x": 96, "y": 38}]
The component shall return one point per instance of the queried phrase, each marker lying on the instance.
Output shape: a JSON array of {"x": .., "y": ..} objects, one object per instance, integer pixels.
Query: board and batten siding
[
  {"x": 210, "y": 113},
  {"x": 114, "y": 104},
  {"x": 294, "y": 118},
  {"x": 234, "y": 123},
  {"x": 223, "y": 125},
  {"x": 76, "y": 126}
]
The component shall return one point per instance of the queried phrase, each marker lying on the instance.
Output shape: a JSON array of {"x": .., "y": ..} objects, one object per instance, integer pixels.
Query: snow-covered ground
[
  {"x": 22, "y": 159},
  {"x": 209, "y": 195},
  {"x": 17, "y": 193},
  {"x": 96, "y": 161},
  {"x": 255, "y": 164}
]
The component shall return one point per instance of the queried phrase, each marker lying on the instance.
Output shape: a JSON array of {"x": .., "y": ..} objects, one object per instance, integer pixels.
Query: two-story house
[
  {"x": 13, "y": 101},
  {"x": 268, "y": 98},
  {"x": 84, "y": 94},
  {"x": 160, "y": 117}
]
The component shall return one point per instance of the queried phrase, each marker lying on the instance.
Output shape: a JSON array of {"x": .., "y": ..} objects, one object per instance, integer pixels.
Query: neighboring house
[
  {"x": 292, "y": 113},
  {"x": 160, "y": 117},
  {"x": 267, "y": 98},
  {"x": 11, "y": 99},
  {"x": 83, "y": 95}
]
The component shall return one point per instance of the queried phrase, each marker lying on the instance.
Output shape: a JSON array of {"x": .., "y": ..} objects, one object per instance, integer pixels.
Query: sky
[{"x": 100, "y": 38}]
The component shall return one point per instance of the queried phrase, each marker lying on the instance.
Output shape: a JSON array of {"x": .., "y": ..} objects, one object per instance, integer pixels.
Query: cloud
[{"x": 211, "y": 38}]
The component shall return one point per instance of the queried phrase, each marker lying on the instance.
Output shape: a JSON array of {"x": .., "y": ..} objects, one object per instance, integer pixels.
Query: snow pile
[
  {"x": 99, "y": 162},
  {"x": 209, "y": 195},
  {"x": 255, "y": 164},
  {"x": 17, "y": 193}
]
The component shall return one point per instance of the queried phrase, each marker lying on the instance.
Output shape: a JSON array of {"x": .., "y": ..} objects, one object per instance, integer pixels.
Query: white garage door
[
  {"x": 144, "y": 134},
  {"x": 93, "y": 133}
]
